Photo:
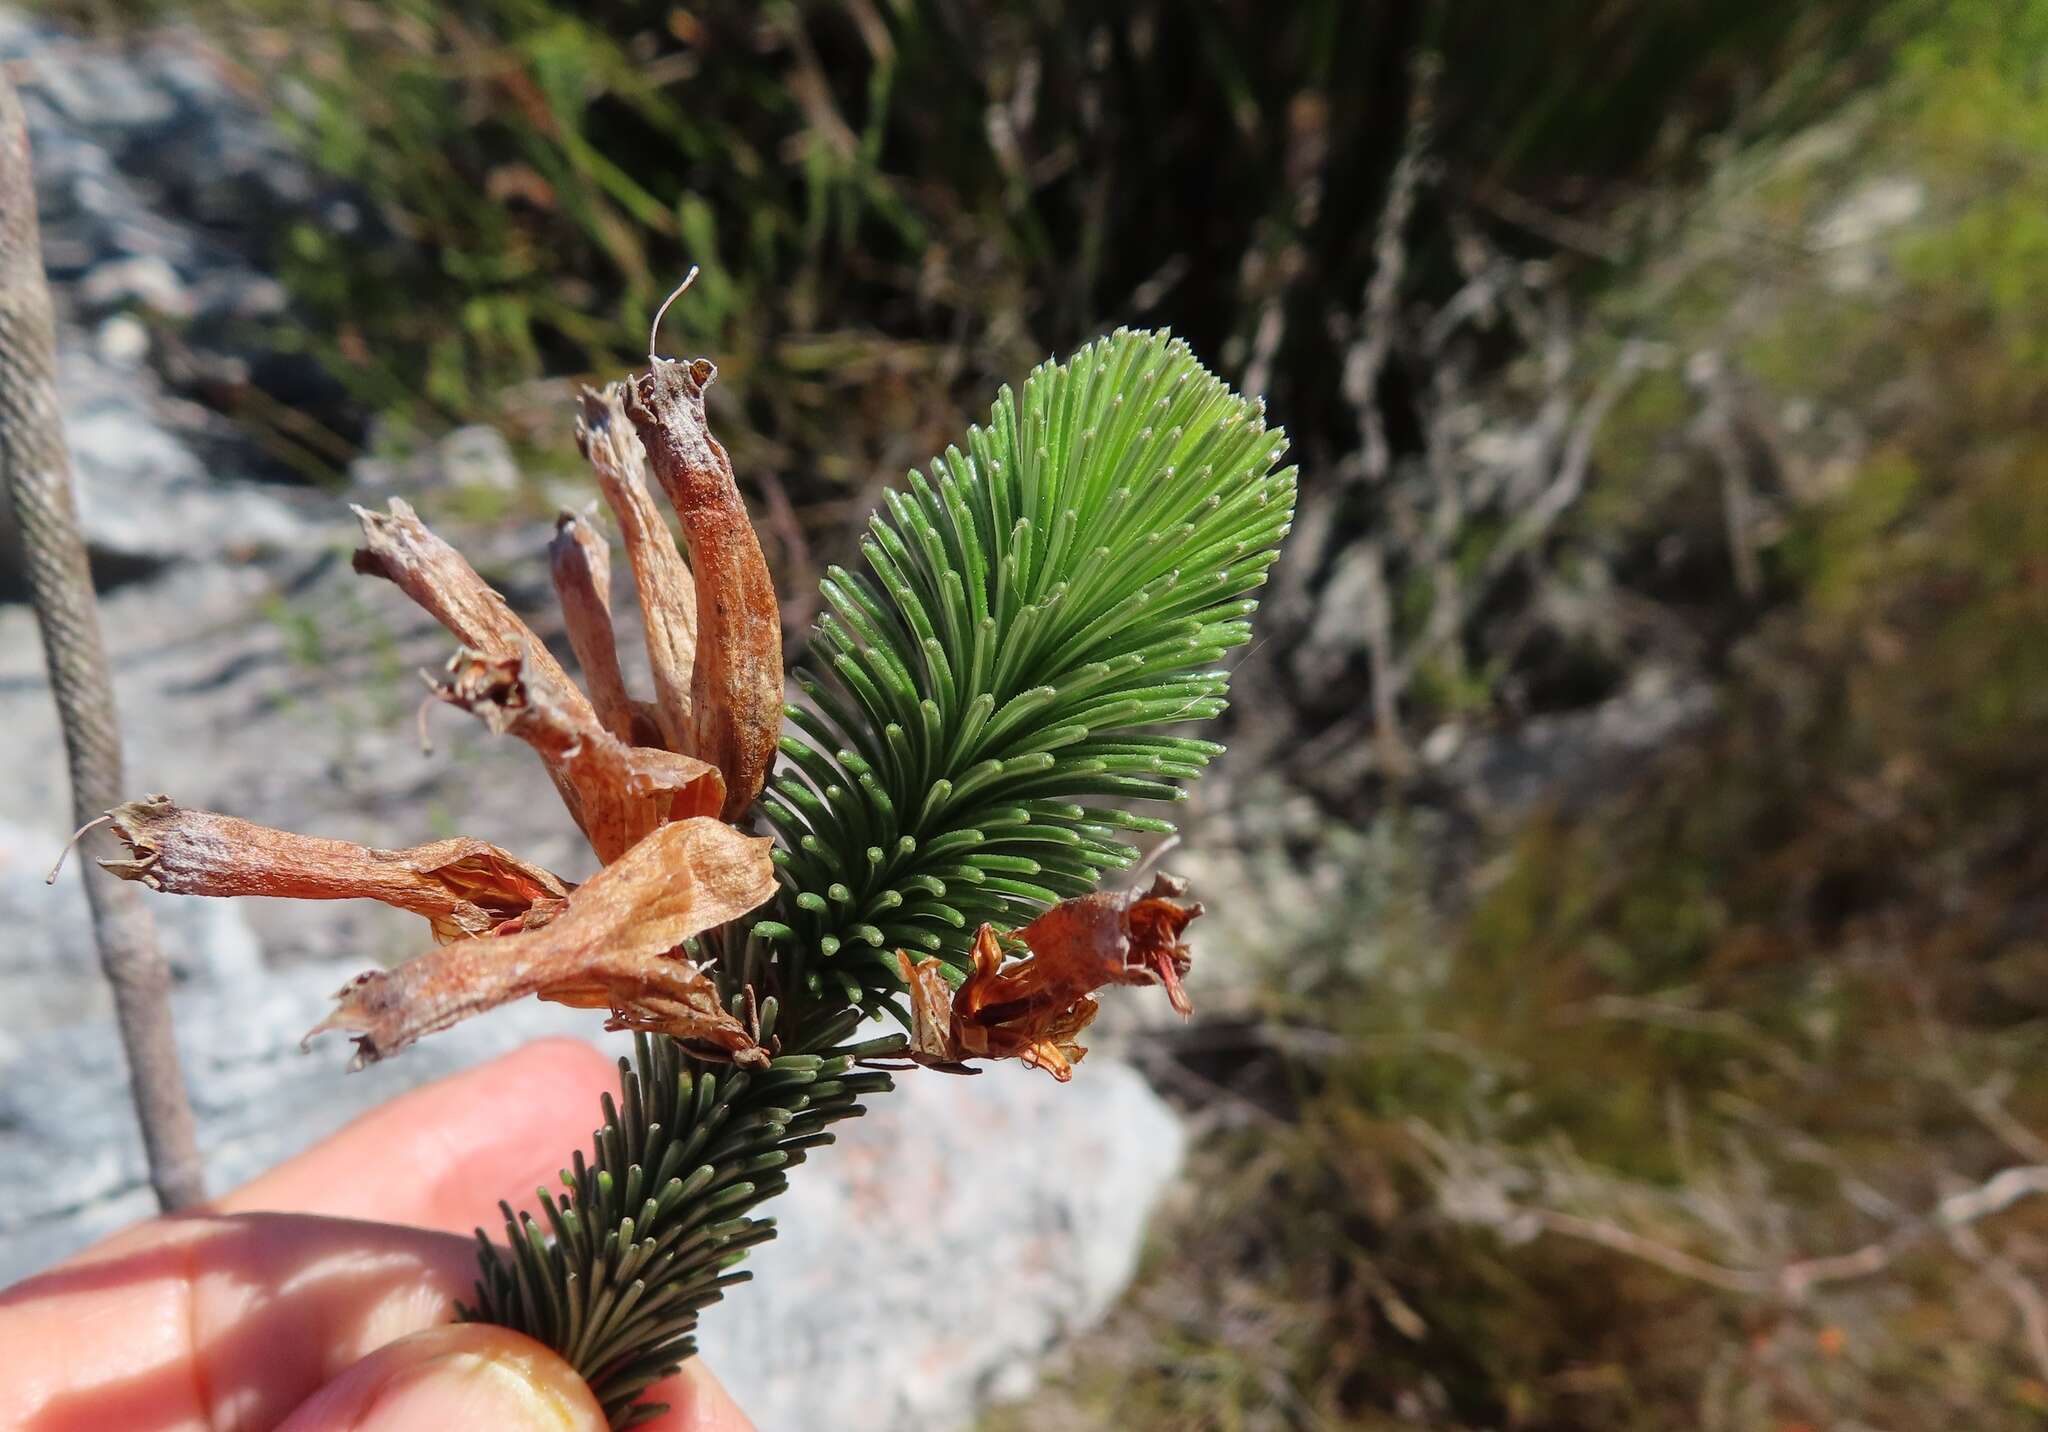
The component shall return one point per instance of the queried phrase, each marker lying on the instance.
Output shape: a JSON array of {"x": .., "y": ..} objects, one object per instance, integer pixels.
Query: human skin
[{"x": 281, "y": 1307}]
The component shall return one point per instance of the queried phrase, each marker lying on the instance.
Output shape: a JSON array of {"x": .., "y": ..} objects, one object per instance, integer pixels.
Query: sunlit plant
[{"x": 981, "y": 706}]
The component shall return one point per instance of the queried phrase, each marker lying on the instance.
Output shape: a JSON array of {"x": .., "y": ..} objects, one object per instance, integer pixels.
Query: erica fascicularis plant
[{"x": 983, "y": 704}]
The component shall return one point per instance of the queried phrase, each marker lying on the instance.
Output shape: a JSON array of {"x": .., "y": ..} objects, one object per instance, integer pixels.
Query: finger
[
  {"x": 697, "y": 1402},
  {"x": 443, "y": 1155},
  {"x": 463, "y": 1376},
  {"x": 209, "y": 1322}
]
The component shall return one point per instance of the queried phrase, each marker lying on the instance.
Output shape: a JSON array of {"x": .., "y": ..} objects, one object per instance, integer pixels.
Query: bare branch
[
  {"x": 1367, "y": 358},
  {"x": 1475, "y": 1186}
]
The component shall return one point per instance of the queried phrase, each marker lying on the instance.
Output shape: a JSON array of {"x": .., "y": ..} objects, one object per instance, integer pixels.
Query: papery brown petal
[
  {"x": 581, "y": 566},
  {"x": 1157, "y": 919},
  {"x": 1014, "y": 1014},
  {"x": 1035, "y": 1008},
  {"x": 667, "y": 592},
  {"x": 667, "y": 995},
  {"x": 736, "y": 683},
  {"x": 1081, "y": 944},
  {"x": 931, "y": 1015},
  {"x": 949, "y": 1027},
  {"x": 611, "y": 944},
  {"x": 1109, "y": 937},
  {"x": 1052, "y": 1046},
  {"x": 622, "y": 792},
  {"x": 463, "y": 887}
]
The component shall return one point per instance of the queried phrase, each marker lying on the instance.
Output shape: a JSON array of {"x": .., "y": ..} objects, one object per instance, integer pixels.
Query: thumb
[{"x": 451, "y": 1379}]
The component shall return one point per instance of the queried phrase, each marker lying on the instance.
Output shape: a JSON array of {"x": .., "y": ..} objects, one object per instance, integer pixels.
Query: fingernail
[{"x": 466, "y": 1375}]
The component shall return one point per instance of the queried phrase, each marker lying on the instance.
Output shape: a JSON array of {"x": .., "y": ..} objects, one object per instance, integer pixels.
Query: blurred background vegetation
[{"x": 1627, "y": 991}]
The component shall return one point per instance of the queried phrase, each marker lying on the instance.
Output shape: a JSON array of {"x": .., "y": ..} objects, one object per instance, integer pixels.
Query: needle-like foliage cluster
[
  {"x": 980, "y": 696},
  {"x": 648, "y": 1230},
  {"x": 981, "y": 705}
]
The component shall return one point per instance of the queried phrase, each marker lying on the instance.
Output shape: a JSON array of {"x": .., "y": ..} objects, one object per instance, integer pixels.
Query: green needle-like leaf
[
  {"x": 977, "y": 710},
  {"x": 977, "y": 692}
]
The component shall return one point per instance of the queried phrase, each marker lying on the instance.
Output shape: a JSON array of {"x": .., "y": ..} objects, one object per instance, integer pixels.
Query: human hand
[{"x": 275, "y": 1309}]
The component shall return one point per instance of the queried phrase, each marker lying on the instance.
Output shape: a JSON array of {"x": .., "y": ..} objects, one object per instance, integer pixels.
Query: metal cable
[{"x": 35, "y": 468}]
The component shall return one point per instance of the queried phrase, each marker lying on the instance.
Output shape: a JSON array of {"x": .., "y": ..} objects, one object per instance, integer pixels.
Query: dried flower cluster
[
  {"x": 1035, "y": 1008},
  {"x": 655, "y": 786},
  {"x": 652, "y": 785}
]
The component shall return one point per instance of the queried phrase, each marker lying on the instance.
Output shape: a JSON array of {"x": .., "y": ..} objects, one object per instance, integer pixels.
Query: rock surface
[
  {"x": 948, "y": 1240},
  {"x": 960, "y": 1230},
  {"x": 953, "y": 1236},
  {"x": 152, "y": 179}
]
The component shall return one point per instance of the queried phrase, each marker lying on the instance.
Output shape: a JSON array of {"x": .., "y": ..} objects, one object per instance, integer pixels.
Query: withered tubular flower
[
  {"x": 1035, "y": 1008},
  {"x": 652, "y": 785}
]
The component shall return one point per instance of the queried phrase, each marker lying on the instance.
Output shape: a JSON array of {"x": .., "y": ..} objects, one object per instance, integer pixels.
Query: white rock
[
  {"x": 143, "y": 280},
  {"x": 122, "y": 341},
  {"x": 951, "y": 1237},
  {"x": 1848, "y": 236},
  {"x": 954, "y": 1235},
  {"x": 477, "y": 456},
  {"x": 143, "y": 492},
  {"x": 1874, "y": 208}
]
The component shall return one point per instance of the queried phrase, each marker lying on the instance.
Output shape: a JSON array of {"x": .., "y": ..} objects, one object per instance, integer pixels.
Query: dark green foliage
[
  {"x": 647, "y": 1235},
  {"x": 984, "y": 685},
  {"x": 895, "y": 205}
]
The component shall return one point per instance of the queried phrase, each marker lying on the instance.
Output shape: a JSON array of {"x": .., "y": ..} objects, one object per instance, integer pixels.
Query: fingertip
[
  {"x": 561, "y": 1060},
  {"x": 500, "y": 1128},
  {"x": 461, "y": 1375}
]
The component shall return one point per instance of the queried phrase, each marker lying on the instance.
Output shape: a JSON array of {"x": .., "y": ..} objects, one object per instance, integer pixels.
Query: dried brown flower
[
  {"x": 464, "y": 888},
  {"x": 622, "y": 791},
  {"x": 667, "y": 592},
  {"x": 400, "y": 548},
  {"x": 736, "y": 683},
  {"x": 1035, "y": 1008},
  {"x": 650, "y": 785},
  {"x": 615, "y": 944},
  {"x": 581, "y": 566}
]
